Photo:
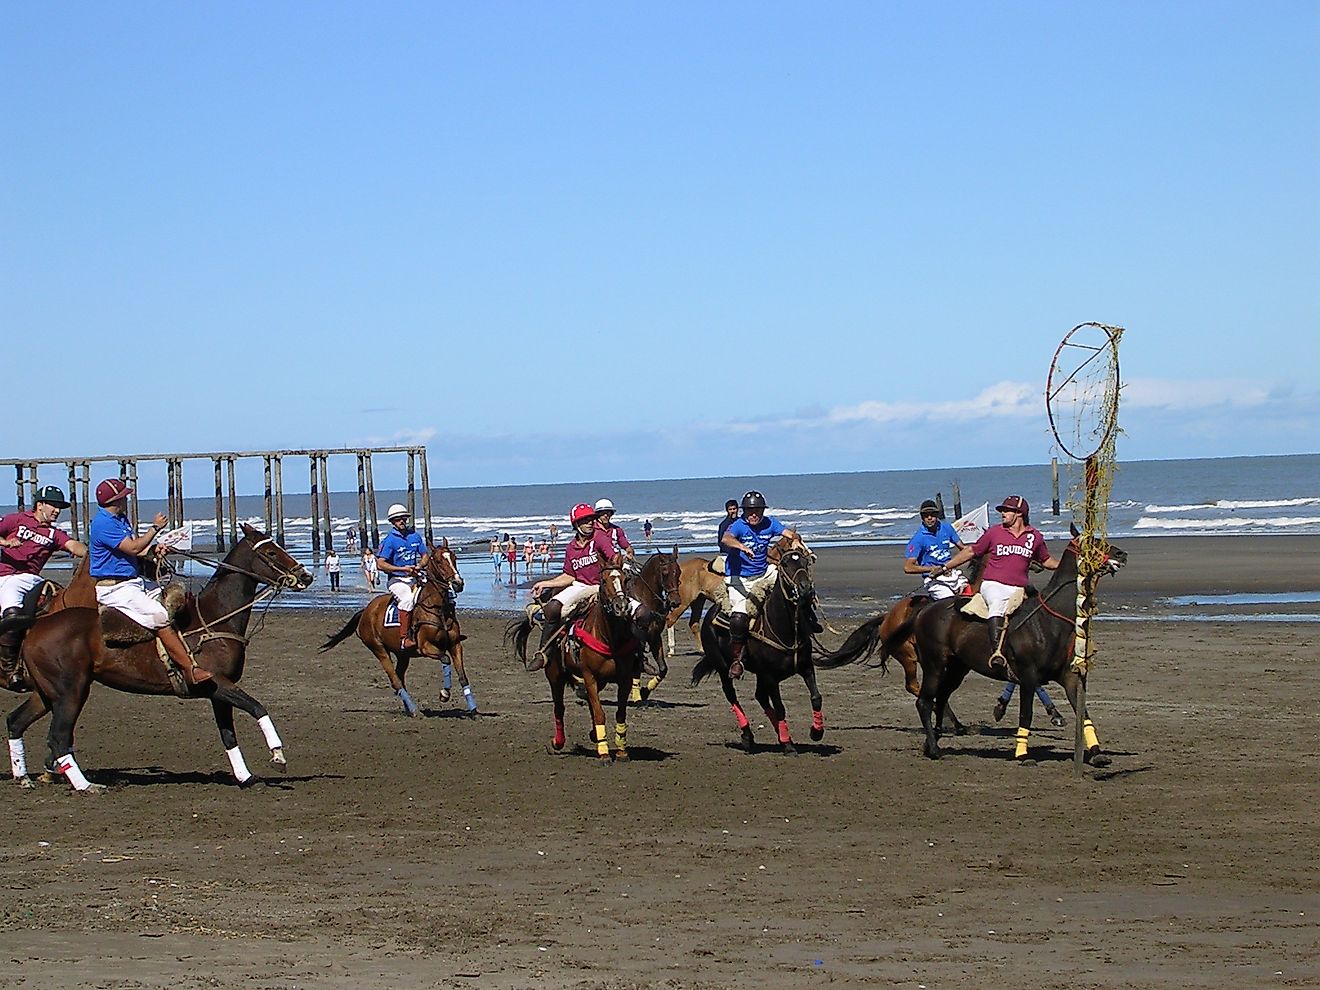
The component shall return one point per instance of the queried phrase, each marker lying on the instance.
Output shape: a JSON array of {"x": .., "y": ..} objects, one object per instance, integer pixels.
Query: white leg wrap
[
  {"x": 268, "y": 730},
  {"x": 241, "y": 772},
  {"x": 17, "y": 758},
  {"x": 69, "y": 767}
]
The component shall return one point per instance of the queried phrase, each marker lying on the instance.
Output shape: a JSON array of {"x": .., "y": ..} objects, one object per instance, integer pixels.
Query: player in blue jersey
[
  {"x": 929, "y": 551},
  {"x": 402, "y": 557},
  {"x": 747, "y": 572}
]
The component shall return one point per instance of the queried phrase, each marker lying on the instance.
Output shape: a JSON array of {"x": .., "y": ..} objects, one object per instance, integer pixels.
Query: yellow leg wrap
[
  {"x": 602, "y": 746},
  {"x": 652, "y": 684},
  {"x": 620, "y": 735},
  {"x": 1088, "y": 735},
  {"x": 636, "y": 694},
  {"x": 1020, "y": 750}
]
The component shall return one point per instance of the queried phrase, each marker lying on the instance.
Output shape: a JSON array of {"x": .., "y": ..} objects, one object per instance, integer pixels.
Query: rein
[{"x": 271, "y": 590}]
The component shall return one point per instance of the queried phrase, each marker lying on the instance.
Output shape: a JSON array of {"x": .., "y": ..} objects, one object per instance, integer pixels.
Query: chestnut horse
[
  {"x": 600, "y": 649},
  {"x": 64, "y": 652},
  {"x": 435, "y": 625},
  {"x": 656, "y": 586},
  {"x": 697, "y": 584},
  {"x": 779, "y": 645}
]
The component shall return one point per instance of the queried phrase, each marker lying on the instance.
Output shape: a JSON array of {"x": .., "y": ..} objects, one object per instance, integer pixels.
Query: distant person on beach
[
  {"x": 646, "y": 531},
  {"x": 402, "y": 556},
  {"x": 511, "y": 557},
  {"x": 748, "y": 574},
  {"x": 605, "y": 523},
  {"x": 1008, "y": 550},
  {"x": 27, "y": 541},
  {"x": 543, "y": 552},
  {"x": 351, "y": 541},
  {"x": 497, "y": 557},
  {"x": 730, "y": 514},
  {"x": 332, "y": 568},
  {"x": 929, "y": 551},
  {"x": 554, "y": 535},
  {"x": 529, "y": 554},
  {"x": 370, "y": 571}
]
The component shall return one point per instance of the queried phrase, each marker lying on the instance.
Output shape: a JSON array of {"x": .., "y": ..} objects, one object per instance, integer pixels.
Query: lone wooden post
[
  {"x": 178, "y": 488},
  {"x": 279, "y": 499},
  {"x": 87, "y": 494},
  {"x": 21, "y": 498},
  {"x": 316, "y": 532},
  {"x": 939, "y": 501},
  {"x": 362, "y": 501},
  {"x": 131, "y": 468},
  {"x": 266, "y": 507},
  {"x": 957, "y": 501},
  {"x": 371, "y": 504},
  {"x": 1054, "y": 473},
  {"x": 73, "y": 499},
  {"x": 412, "y": 495},
  {"x": 171, "y": 490},
  {"x": 325, "y": 505},
  {"x": 219, "y": 509},
  {"x": 233, "y": 504},
  {"x": 426, "y": 499}
]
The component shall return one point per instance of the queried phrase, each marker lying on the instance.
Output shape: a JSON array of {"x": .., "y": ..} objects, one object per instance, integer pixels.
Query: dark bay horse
[
  {"x": 64, "y": 652},
  {"x": 1039, "y": 644},
  {"x": 779, "y": 645},
  {"x": 435, "y": 625},
  {"x": 601, "y": 649},
  {"x": 656, "y": 587}
]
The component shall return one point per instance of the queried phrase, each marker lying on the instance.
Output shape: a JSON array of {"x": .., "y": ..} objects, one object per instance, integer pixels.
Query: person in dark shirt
[{"x": 730, "y": 514}]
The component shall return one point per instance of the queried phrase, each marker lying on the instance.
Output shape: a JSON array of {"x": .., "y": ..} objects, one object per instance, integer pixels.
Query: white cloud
[{"x": 1168, "y": 393}]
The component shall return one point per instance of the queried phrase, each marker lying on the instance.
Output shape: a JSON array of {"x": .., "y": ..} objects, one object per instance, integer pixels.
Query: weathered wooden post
[
  {"x": 412, "y": 491},
  {"x": 169, "y": 490},
  {"x": 73, "y": 499},
  {"x": 21, "y": 499},
  {"x": 266, "y": 508},
  {"x": 325, "y": 504},
  {"x": 362, "y": 501},
  {"x": 371, "y": 504},
  {"x": 939, "y": 501},
  {"x": 219, "y": 509},
  {"x": 316, "y": 532},
  {"x": 233, "y": 503},
  {"x": 1054, "y": 472},
  {"x": 87, "y": 494},
  {"x": 279, "y": 499},
  {"x": 957, "y": 501},
  {"x": 178, "y": 490},
  {"x": 131, "y": 468},
  {"x": 426, "y": 499}
]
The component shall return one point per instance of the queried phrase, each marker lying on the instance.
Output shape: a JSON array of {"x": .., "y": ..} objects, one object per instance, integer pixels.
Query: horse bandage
[
  {"x": 1088, "y": 735},
  {"x": 1020, "y": 750}
]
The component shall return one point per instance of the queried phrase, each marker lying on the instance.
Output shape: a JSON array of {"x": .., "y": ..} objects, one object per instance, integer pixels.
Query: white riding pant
[
  {"x": 741, "y": 588},
  {"x": 1000, "y": 599},
  {"x": 580, "y": 591},
  {"x": 14, "y": 586},
  {"x": 138, "y": 599},
  {"x": 404, "y": 591},
  {"x": 946, "y": 585}
]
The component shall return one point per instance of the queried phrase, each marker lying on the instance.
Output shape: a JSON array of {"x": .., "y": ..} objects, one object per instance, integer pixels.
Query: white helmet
[
  {"x": 604, "y": 505},
  {"x": 396, "y": 510}
]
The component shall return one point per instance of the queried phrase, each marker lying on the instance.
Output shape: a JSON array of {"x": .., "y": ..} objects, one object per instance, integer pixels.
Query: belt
[{"x": 107, "y": 582}]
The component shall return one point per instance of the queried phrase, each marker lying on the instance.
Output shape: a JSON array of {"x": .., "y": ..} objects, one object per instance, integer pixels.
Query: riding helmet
[
  {"x": 604, "y": 505},
  {"x": 581, "y": 512},
  {"x": 52, "y": 495},
  {"x": 753, "y": 500},
  {"x": 396, "y": 510},
  {"x": 928, "y": 506}
]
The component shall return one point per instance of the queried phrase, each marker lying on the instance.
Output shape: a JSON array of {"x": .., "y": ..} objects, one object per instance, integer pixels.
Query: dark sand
[{"x": 452, "y": 852}]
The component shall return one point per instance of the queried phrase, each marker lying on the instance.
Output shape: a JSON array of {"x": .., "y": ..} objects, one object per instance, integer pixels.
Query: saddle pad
[
  {"x": 116, "y": 627},
  {"x": 391, "y": 620}
]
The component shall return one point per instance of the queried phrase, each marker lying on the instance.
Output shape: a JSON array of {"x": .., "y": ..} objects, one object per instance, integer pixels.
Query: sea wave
[
  {"x": 1235, "y": 504},
  {"x": 1236, "y": 522}
]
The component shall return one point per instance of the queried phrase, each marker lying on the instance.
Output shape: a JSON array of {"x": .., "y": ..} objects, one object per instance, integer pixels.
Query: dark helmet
[
  {"x": 928, "y": 506},
  {"x": 753, "y": 500}
]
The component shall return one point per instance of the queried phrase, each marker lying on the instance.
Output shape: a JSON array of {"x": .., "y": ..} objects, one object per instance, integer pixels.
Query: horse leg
[
  {"x": 65, "y": 710},
  {"x": 224, "y": 721},
  {"x": 817, "y": 714},
  {"x": 926, "y": 710},
  {"x": 1072, "y": 682},
  {"x": 236, "y": 697},
  {"x": 456, "y": 654},
  {"x": 554, "y": 673},
  {"x": 20, "y": 719},
  {"x": 781, "y": 721},
  {"x": 763, "y": 696},
  {"x": 395, "y": 675},
  {"x": 1026, "y": 709},
  {"x": 446, "y": 677},
  {"x": 621, "y": 709},
  {"x": 597, "y": 711}
]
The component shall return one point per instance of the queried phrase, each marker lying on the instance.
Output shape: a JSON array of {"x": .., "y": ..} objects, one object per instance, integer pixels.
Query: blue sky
[{"x": 585, "y": 241}]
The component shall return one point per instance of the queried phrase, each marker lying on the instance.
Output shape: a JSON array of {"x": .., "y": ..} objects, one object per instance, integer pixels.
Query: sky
[{"x": 593, "y": 241}]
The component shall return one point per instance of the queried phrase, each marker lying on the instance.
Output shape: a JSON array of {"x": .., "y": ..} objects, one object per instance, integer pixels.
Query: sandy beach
[{"x": 448, "y": 851}]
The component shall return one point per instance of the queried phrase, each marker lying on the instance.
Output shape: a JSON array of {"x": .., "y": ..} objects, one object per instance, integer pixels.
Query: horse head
[
  {"x": 1110, "y": 556},
  {"x": 794, "y": 565},
  {"x": 671, "y": 575},
  {"x": 442, "y": 566},
  {"x": 270, "y": 563},
  {"x": 613, "y": 598}
]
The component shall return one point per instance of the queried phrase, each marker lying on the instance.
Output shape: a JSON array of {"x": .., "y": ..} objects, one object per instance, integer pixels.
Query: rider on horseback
[
  {"x": 114, "y": 550},
  {"x": 402, "y": 556},
  {"x": 1009, "y": 549},
  {"x": 28, "y": 540},
  {"x": 748, "y": 574},
  {"x": 929, "y": 551},
  {"x": 583, "y": 555},
  {"x": 618, "y": 538}
]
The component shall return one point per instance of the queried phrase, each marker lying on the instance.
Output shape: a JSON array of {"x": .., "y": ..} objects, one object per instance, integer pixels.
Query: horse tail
[
  {"x": 349, "y": 628},
  {"x": 891, "y": 639},
  {"x": 860, "y": 645},
  {"x": 703, "y": 669},
  {"x": 518, "y": 633}
]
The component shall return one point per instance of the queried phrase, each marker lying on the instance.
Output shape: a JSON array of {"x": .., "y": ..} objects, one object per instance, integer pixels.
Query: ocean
[{"x": 1234, "y": 496}]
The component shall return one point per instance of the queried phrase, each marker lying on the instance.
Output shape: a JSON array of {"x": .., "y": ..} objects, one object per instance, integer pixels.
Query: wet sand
[{"x": 447, "y": 851}]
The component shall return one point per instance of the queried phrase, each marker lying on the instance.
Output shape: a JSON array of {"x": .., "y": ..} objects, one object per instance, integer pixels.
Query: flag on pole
[
  {"x": 970, "y": 527},
  {"x": 177, "y": 539}
]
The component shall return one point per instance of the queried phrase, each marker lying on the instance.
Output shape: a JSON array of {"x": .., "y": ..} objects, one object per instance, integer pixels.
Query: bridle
[
  {"x": 286, "y": 578},
  {"x": 667, "y": 599},
  {"x": 1043, "y": 601}
]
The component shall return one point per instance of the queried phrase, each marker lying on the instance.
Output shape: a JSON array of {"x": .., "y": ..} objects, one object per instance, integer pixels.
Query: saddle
[
  {"x": 117, "y": 629},
  {"x": 976, "y": 608}
]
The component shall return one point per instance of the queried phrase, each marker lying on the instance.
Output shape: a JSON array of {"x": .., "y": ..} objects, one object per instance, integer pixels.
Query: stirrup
[
  {"x": 735, "y": 670},
  {"x": 1000, "y": 662},
  {"x": 538, "y": 661}
]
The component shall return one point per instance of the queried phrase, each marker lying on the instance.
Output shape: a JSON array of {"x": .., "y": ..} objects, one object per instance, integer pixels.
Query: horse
[
  {"x": 1039, "y": 642},
  {"x": 697, "y": 584},
  {"x": 607, "y": 652},
  {"x": 656, "y": 586},
  {"x": 435, "y": 625},
  {"x": 778, "y": 646},
  {"x": 64, "y": 652}
]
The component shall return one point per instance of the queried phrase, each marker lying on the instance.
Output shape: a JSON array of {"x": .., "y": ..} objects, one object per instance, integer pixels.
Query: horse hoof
[
  {"x": 788, "y": 749},
  {"x": 278, "y": 761},
  {"x": 557, "y": 744},
  {"x": 1096, "y": 758},
  {"x": 748, "y": 741},
  {"x": 93, "y": 789},
  {"x": 26, "y": 783},
  {"x": 817, "y": 734},
  {"x": 960, "y": 729},
  {"x": 244, "y": 784},
  {"x": 932, "y": 752},
  {"x": 620, "y": 754},
  {"x": 444, "y": 695}
]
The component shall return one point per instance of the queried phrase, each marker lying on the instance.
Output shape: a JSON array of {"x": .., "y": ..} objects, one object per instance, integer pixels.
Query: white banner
[
  {"x": 970, "y": 527},
  {"x": 177, "y": 539}
]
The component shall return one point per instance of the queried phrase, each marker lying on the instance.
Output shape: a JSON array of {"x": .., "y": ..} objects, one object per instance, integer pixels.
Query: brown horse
[
  {"x": 697, "y": 584},
  {"x": 656, "y": 586},
  {"x": 64, "y": 652},
  {"x": 435, "y": 624},
  {"x": 600, "y": 649}
]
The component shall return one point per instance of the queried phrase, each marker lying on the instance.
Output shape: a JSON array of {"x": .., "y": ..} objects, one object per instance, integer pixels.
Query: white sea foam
[
  {"x": 1236, "y": 522},
  {"x": 1235, "y": 504}
]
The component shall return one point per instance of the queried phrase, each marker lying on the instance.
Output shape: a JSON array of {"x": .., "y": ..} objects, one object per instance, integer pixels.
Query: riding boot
[
  {"x": 406, "y": 641},
  {"x": 178, "y": 652},
  {"x": 550, "y": 616},
  {"x": 998, "y": 629},
  {"x": 739, "y": 623},
  {"x": 9, "y": 673}
]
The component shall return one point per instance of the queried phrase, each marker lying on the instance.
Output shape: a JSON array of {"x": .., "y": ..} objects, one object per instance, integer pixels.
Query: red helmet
[
  {"x": 111, "y": 491},
  {"x": 580, "y": 512}
]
